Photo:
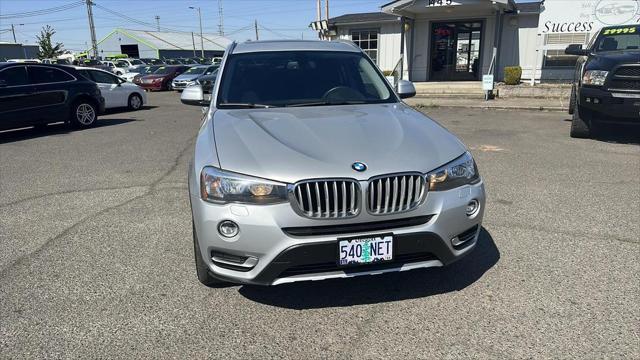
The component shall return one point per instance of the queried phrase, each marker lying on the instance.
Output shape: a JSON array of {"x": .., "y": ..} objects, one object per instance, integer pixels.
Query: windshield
[
  {"x": 150, "y": 69},
  {"x": 616, "y": 39},
  {"x": 163, "y": 70},
  {"x": 137, "y": 62},
  {"x": 301, "y": 78},
  {"x": 195, "y": 70}
]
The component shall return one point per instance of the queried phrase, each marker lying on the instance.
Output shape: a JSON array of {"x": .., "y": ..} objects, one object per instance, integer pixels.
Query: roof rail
[
  {"x": 232, "y": 46},
  {"x": 348, "y": 42}
]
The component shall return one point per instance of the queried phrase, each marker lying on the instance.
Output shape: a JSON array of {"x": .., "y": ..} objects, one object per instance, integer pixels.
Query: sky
[{"x": 277, "y": 19}]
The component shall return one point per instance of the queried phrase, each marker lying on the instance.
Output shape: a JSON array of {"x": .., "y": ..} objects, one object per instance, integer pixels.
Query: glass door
[{"x": 455, "y": 51}]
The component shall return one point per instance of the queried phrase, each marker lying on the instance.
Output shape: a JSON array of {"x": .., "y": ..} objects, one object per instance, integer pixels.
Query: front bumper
[
  {"x": 278, "y": 254},
  {"x": 611, "y": 106},
  {"x": 181, "y": 85}
]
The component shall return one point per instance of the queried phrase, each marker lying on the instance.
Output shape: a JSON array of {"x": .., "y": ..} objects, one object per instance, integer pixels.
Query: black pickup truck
[{"x": 606, "y": 85}]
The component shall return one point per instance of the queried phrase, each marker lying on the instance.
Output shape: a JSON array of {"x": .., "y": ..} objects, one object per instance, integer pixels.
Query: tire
[
  {"x": 579, "y": 127},
  {"x": 83, "y": 114},
  {"x": 572, "y": 100},
  {"x": 135, "y": 102},
  {"x": 202, "y": 270}
]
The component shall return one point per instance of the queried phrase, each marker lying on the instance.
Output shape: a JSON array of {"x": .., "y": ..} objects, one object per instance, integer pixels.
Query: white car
[
  {"x": 116, "y": 91},
  {"x": 124, "y": 65}
]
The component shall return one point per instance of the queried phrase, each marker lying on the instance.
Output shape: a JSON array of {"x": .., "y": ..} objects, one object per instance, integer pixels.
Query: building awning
[{"x": 412, "y": 8}]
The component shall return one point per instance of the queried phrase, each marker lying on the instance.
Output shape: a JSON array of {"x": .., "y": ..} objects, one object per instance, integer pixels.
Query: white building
[{"x": 446, "y": 40}]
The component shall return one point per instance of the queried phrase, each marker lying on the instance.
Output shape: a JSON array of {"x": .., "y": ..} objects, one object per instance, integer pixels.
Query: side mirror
[
  {"x": 193, "y": 95},
  {"x": 406, "y": 89},
  {"x": 576, "y": 49}
]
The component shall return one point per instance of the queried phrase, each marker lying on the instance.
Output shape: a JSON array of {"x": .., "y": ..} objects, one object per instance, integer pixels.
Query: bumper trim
[
  {"x": 356, "y": 228},
  {"x": 317, "y": 257}
]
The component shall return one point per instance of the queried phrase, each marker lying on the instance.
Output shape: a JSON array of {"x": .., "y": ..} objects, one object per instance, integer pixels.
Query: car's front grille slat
[
  {"x": 327, "y": 199},
  {"x": 395, "y": 193}
]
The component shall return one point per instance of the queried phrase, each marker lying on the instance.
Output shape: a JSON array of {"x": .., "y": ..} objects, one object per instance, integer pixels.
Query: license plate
[{"x": 365, "y": 250}]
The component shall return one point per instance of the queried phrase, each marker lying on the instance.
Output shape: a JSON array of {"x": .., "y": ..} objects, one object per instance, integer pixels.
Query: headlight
[
  {"x": 594, "y": 77},
  {"x": 461, "y": 171},
  {"x": 223, "y": 187}
]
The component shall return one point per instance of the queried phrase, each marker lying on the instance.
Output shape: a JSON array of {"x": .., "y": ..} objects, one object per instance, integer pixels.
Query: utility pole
[
  {"x": 319, "y": 16},
  {"x": 326, "y": 9},
  {"x": 92, "y": 29},
  {"x": 158, "y": 22},
  {"x": 13, "y": 30},
  {"x": 201, "y": 37},
  {"x": 221, "y": 19},
  {"x": 255, "y": 25},
  {"x": 193, "y": 39}
]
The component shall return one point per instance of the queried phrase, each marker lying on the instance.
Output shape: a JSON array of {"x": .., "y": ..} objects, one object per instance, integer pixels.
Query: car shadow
[
  {"x": 8, "y": 136},
  {"x": 617, "y": 133},
  {"x": 381, "y": 288},
  {"x": 126, "y": 110}
]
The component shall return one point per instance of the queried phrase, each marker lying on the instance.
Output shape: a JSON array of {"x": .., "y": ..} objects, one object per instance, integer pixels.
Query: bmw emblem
[{"x": 359, "y": 166}]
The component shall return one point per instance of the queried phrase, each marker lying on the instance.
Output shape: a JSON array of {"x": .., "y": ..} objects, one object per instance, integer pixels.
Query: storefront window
[
  {"x": 367, "y": 40},
  {"x": 555, "y": 44},
  {"x": 557, "y": 58}
]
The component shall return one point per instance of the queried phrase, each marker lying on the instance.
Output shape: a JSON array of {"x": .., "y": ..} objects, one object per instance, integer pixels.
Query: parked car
[
  {"x": 152, "y": 61},
  {"x": 173, "y": 62},
  {"x": 37, "y": 94},
  {"x": 27, "y": 61},
  {"x": 207, "y": 82},
  {"x": 190, "y": 76},
  {"x": 116, "y": 91},
  {"x": 606, "y": 84},
  {"x": 136, "y": 76},
  {"x": 110, "y": 64},
  {"x": 318, "y": 170},
  {"x": 161, "y": 78},
  {"x": 126, "y": 65},
  {"x": 188, "y": 61},
  {"x": 56, "y": 61},
  {"x": 92, "y": 63}
]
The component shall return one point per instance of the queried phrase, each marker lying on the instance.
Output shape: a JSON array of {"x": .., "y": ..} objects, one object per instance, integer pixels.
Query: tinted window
[
  {"x": 103, "y": 78},
  {"x": 622, "y": 38},
  {"x": 43, "y": 75},
  {"x": 137, "y": 62},
  {"x": 85, "y": 74},
  {"x": 302, "y": 78},
  {"x": 14, "y": 76}
]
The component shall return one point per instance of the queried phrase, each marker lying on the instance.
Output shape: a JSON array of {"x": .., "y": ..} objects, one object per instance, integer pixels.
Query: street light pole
[{"x": 200, "y": 19}]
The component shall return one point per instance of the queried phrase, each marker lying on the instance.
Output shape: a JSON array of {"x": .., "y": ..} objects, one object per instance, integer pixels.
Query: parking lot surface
[{"x": 96, "y": 254}]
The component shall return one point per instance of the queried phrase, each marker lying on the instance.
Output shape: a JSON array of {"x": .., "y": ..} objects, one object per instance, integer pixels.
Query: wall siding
[{"x": 111, "y": 46}]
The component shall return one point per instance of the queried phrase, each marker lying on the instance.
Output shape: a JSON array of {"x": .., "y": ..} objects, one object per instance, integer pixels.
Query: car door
[
  {"x": 15, "y": 92},
  {"x": 50, "y": 88},
  {"x": 114, "y": 94}
]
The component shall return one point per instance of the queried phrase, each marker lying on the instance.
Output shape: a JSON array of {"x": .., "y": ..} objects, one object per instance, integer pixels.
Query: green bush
[
  {"x": 512, "y": 75},
  {"x": 389, "y": 73}
]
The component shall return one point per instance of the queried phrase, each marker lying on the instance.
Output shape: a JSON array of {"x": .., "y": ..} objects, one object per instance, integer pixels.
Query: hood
[
  {"x": 608, "y": 60},
  {"x": 187, "y": 77},
  {"x": 292, "y": 144}
]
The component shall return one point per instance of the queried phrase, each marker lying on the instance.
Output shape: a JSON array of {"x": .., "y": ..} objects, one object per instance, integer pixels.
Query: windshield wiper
[
  {"x": 245, "y": 105},
  {"x": 321, "y": 103}
]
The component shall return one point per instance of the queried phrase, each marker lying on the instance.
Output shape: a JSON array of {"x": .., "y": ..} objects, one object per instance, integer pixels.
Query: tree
[{"x": 47, "y": 49}]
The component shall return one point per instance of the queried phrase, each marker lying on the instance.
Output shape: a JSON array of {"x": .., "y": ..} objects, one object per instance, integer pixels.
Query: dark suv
[
  {"x": 606, "y": 86},
  {"x": 37, "y": 94}
]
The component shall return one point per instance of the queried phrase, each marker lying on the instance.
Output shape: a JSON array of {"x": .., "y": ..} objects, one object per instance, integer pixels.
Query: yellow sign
[{"x": 622, "y": 30}]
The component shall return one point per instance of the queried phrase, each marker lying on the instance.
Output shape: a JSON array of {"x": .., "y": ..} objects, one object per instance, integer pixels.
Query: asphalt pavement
[{"x": 96, "y": 254}]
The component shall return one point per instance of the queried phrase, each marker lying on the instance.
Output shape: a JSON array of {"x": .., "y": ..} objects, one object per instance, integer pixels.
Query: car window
[
  {"x": 122, "y": 64},
  {"x": 211, "y": 70},
  {"x": 617, "y": 39},
  {"x": 104, "y": 78},
  {"x": 287, "y": 78},
  {"x": 195, "y": 70},
  {"x": 85, "y": 74},
  {"x": 14, "y": 76},
  {"x": 136, "y": 62},
  {"x": 44, "y": 75}
]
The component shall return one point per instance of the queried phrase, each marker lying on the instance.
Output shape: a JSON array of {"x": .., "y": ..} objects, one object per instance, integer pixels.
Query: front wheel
[
  {"x": 83, "y": 114},
  {"x": 572, "y": 100},
  {"x": 579, "y": 127},
  {"x": 135, "y": 102}
]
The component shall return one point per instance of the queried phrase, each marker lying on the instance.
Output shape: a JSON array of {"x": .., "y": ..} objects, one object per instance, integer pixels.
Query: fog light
[
  {"x": 596, "y": 101},
  {"x": 228, "y": 228},
  {"x": 472, "y": 207}
]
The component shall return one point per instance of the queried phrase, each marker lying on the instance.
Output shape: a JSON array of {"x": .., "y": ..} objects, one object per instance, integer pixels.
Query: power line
[{"x": 43, "y": 11}]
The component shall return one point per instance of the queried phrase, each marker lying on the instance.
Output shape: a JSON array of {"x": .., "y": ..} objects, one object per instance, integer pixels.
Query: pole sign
[
  {"x": 586, "y": 16},
  {"x": 487, "y": 82}
]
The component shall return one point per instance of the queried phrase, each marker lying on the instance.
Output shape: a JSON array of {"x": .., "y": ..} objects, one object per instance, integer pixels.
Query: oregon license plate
[{"x": 365, "y": 250}]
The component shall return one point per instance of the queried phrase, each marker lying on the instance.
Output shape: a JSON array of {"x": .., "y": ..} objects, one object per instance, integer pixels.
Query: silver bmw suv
[{"x": 308, "y": 166}]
